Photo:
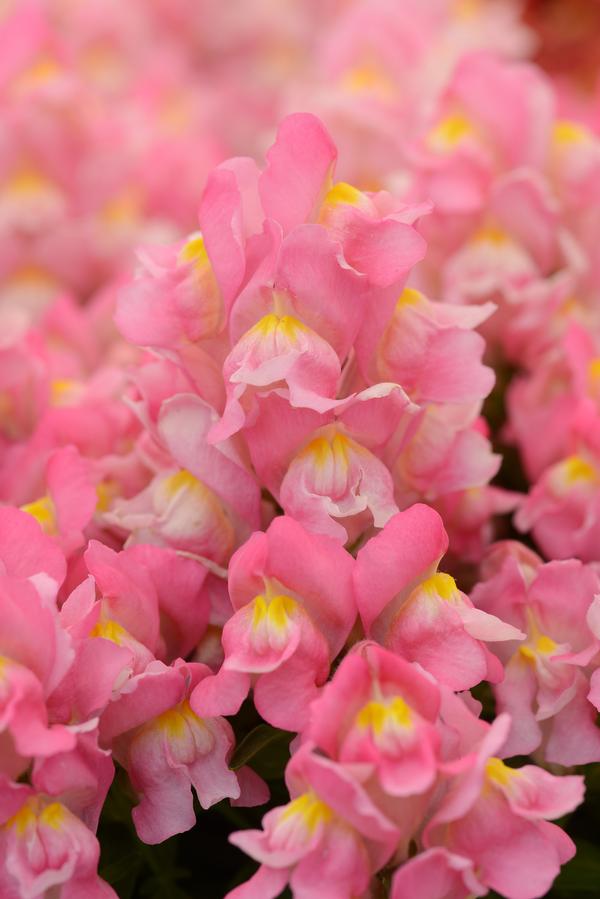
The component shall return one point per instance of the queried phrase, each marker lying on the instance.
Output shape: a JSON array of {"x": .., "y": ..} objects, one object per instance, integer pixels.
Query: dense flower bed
[{"x": 299, "y": 450}]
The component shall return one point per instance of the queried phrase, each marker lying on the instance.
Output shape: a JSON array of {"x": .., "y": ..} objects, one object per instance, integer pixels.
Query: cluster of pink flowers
[{"x": 231, "y": 469}]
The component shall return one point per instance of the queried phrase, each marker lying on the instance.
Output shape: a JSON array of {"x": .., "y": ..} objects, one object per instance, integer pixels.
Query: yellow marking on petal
[
  {"x": 467, "y": 9},
  {"x": 324, "y": 451},
  {"x": 106, "y": 492},
  {"x": 410, "y": 297},
  {"x": 24, "y": 818},
  {"x": 124, "y": 209},
  {"x": 32, "y": 276},
  {"x": 194, "y": 251},
  {"x": 448, "y": 133},
  {"x": 528, "y": 653},
  {"x": 287, "y": 325},
  {"x": 277, "y": 611},
  {"x": 44, "y": 69},
  {"x": 259, "y": 611},
  {"x": 500, "y": 773},
  {"x": 577, "y": 469},
  {"x": 63, "y": 391},
  {"x": 593, "y": 372},
  {"x": 442, "y": 585},
  {"x": 491, "y": 234},
  {"x": 181, "y": 480},
  {"x": 545, "y": 644},
  {"x": 174, "y": 722},
  {"x": 28, "y": 182},
  {"x": 281, "y": 608},
  {"x": 369, "y": 79},
  {"x": 53, "y": 815},
  {"x": 375, "y": 715},
  {"x": 44, "y": 513},
  {"x": 312, "y": 811},
  {"x": 538, "y": 643},
  {"x": 343, "y": 193},
  {"x": 567, "y": 133},
  {"x": 110, "y": 630}
]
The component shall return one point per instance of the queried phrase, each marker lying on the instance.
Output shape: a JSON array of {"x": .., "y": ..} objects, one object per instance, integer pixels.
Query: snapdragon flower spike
[
  {"x": 167, "y": 749},
  {"x": 547, "y": 677},
  {"x": 46, "y": 848},
  {"x": 293, "y": 607},
  {"x": 498, "y": 818},
  {"x": 329, "y": 838},
  {"x": 381, "y": 711},
  {"x": 418, "y": 612}
]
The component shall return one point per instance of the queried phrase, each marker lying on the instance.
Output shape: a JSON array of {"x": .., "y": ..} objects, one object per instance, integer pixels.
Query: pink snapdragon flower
[
  {"x": 380, "y": 711},
  {"x": 547, "y": 677},
  {"x": 293, "y": 609},
  {"x": 418, "y": 612},
  {"x": 497, "y": 817},
  {"x": 167, "y": 749},
  {"x": 46, "y": 847},
  {"x": 330, "y": 836}
]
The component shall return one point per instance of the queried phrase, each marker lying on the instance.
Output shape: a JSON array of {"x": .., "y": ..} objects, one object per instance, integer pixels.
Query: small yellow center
[
  {"x": 312, "y": 811},
  {"x": 542, "y": 645},
  {"x": 343, "y": 193},
  {"x": 44, "y": 513},
  {"x": 174, "y": 722},
  {"x": 491, "y": 235},
  {"x": 286, "y": 326},
  {"x": 409, "y": 297},
  {"x": 194, "y": 251},
  {"x": 109, "y": 629},
  {"x": 124, "y": 209},
  {"x": 28, "y": 182},
  {"x": 376, "y": 715},
  {"x": 369, "y": 79},
  {"x": 500, "y": 773},
  {"x": 566, "y": 133},
  {"x": 53, "y": 815},
  {"x": 450, "y": 132},
  {"x": 180, "y": 481},
  {"x": 576, "y": 469},
  {"x": 276, "y": 612},
  {"x": 332, "y": 451},
  {"x": 442, "y": 585}
]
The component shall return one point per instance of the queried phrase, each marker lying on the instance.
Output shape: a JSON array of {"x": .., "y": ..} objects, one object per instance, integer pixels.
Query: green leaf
[
  {"x": 581, "y": 876},
  {"x": 255, "y": 742}
]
